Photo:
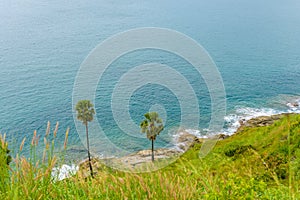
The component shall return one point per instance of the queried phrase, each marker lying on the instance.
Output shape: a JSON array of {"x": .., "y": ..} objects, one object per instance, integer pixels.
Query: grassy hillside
[{"x": 255, "y": 163}]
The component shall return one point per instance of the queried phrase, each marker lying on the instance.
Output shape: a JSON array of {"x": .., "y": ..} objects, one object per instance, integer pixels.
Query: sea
[{"x": 255, "y": 46}]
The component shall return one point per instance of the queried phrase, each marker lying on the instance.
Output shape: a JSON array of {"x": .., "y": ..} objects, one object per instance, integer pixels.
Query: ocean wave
[
  {"x": 242, "y": 114},
  {"x": 294, "y": 107},
  {"x": 63, "y": 172},
  {"x": 235, "y": 119}
]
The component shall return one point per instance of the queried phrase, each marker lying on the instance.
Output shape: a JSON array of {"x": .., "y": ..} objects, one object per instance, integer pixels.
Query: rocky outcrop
[
  {"x": 260, "y": 121},
  {"x": 222, "y": 136},
  {"x": 140, "y": 158},
  {"x": 185, "y": 140}
]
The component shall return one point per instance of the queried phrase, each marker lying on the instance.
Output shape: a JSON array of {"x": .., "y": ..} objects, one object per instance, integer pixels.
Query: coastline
[
  {"x": 138, "y": 159},
  {"x": 183, "y": 141}
]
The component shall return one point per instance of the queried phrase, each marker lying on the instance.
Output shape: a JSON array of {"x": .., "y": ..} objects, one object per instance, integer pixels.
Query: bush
[
  {"x": 5, "y": 159},
  {"x": 4, "y": 154}
]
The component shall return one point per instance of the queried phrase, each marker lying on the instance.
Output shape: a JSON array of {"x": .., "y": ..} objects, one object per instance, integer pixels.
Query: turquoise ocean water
[{"x": 255, "y": 45}]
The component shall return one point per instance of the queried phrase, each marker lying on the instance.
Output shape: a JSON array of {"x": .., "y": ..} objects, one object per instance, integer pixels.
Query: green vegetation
[
  {"x": 85, "y": 113},
  {"x": 255, "y": 163},
  {"x": 5, "y": 159},
  {"x": 4, "y": 151},
  {"x": 152, "y": 126}
]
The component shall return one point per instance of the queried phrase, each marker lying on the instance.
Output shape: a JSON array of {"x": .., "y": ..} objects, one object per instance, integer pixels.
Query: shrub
[{"x": 5, "y": 159}]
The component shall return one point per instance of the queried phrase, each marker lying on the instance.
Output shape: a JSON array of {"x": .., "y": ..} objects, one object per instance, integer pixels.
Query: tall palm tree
[
  {"x": 152, "y": 125},
  {"x": 85, "y": 113}
]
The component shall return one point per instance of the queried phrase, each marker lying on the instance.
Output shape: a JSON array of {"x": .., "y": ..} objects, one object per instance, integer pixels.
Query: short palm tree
[
  {"x": 85, "y": 113},
  {"x": 152, "y": 125}
]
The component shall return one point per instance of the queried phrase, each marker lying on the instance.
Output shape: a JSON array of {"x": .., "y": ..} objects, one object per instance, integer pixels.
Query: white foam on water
[
  {"x": 63, "y": 172},
  {"x": 194, "y": 132},
  {"x": 242, "y": 114},
  {"x": 233, "y": 121},
  {"x": 176, "y": 134},
  {"x": 294, "y": 107}
]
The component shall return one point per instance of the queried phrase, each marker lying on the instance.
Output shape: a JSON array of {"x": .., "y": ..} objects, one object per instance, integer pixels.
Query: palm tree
[
  {"x": 152, "y": 126},
  {"x": 85, "y": 113}
]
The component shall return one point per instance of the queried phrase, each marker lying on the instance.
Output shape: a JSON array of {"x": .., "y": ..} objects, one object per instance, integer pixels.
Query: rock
[
  {"x": 260, "y": 121},
  {"x": 242, "y": 121},
  {"x": 222, "y": 136},
  {"x": 186, "y": 140},
  {"x": 145, "y": 156},
  {"x": 135, "y": 160},
  {"x": 186, "y": 137}
]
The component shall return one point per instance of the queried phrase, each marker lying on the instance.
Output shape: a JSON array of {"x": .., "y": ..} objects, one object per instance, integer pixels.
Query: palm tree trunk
[
  {"x": 152, "y": 150},
  {"x": 88, "y": 148}
]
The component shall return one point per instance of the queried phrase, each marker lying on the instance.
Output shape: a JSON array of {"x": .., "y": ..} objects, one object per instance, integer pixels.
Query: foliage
[
  {"x": 5, "y": 159},
  {"x": 85, "y": 113},
  {"x": 30, "y": 178},
  {"x": 152, "y": 126},
  {"x": 4, "y": 151}
]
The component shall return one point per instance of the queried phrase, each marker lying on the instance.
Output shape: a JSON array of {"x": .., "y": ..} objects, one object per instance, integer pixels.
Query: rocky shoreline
[
  {"x": 138, "y": 159},
  {"x": 260, "y": 121},
  {"x": 185, "y": 140}
]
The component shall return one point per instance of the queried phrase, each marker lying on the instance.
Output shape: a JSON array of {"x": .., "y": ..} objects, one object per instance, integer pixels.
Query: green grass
[{"x": 255, "y": 163}]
